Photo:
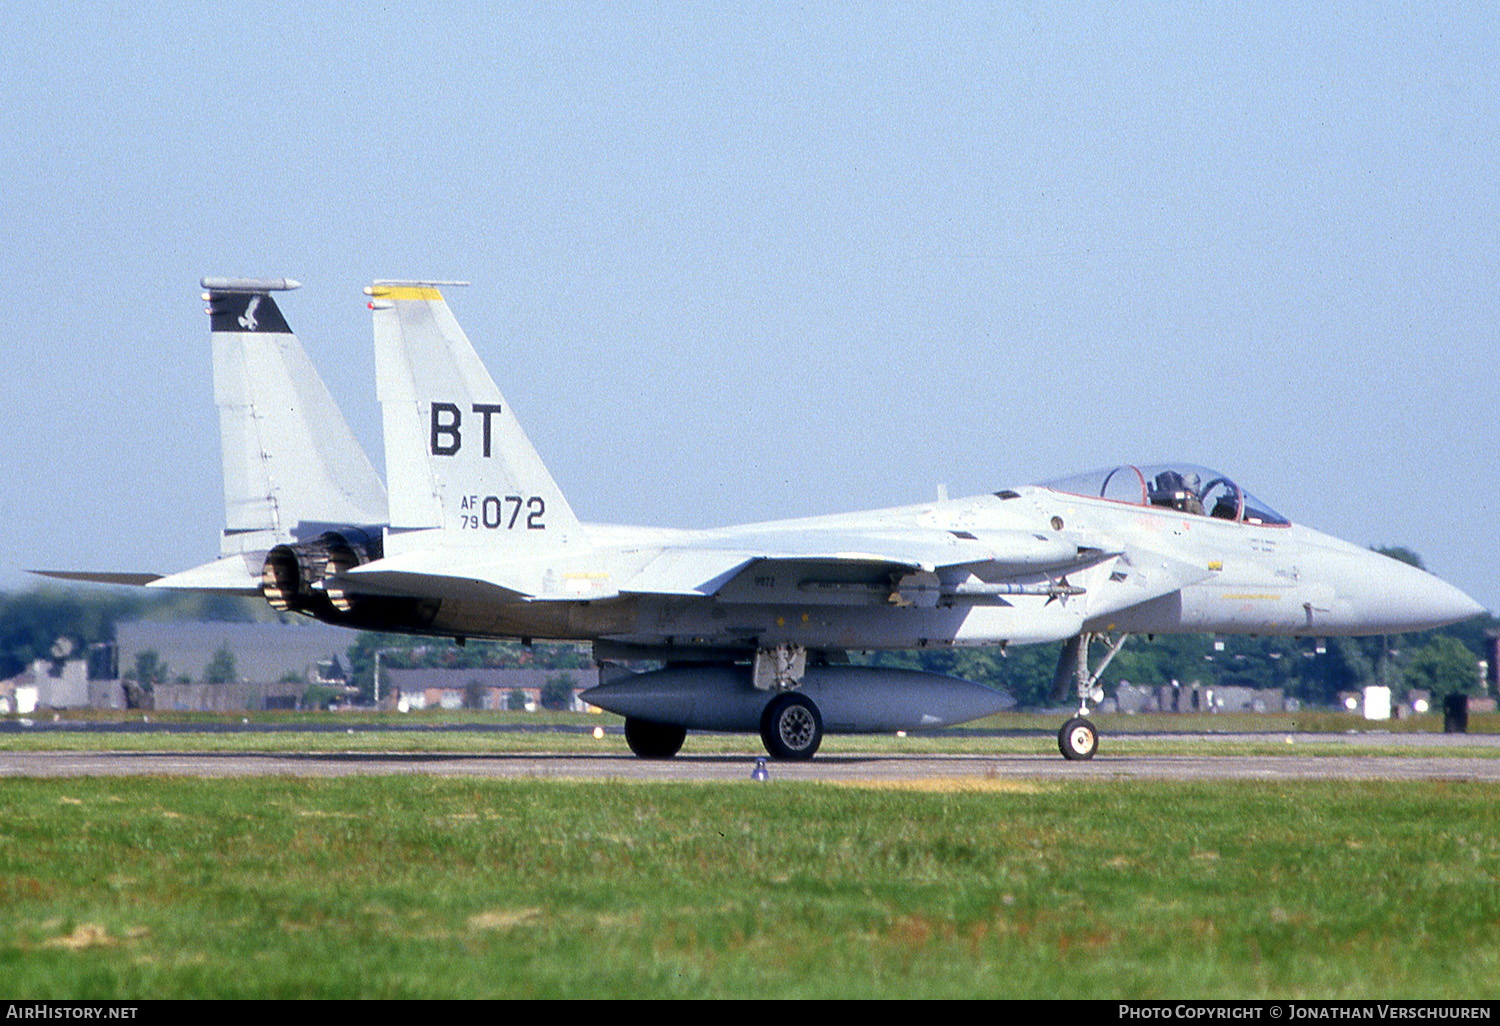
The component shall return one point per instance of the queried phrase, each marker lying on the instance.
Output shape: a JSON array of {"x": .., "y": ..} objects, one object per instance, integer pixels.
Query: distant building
[
  {"x": 265, "y": 656},
  {"x": 481, "y": 688},
  {"x": 1197, "y": 697},
  {"x": 263, "y": 652},
  {"x": 47, "y": 685},
  {"x": 227, "y": 697}
]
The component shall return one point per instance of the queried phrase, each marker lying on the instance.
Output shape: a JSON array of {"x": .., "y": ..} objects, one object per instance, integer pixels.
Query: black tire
[
  {"x": 1078, "y": 739},
  {"x": 653, "y": 740},
  {"x": 791, "y": 727}
]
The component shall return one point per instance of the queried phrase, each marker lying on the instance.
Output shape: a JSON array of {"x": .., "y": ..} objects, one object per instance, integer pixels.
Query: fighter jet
[{"x": 754, "y": 623}]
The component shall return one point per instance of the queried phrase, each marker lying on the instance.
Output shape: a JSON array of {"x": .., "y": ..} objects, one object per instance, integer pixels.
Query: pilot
[
  {"x": 1192, "y": 499},
  {"x": 1181, "y": 493}
]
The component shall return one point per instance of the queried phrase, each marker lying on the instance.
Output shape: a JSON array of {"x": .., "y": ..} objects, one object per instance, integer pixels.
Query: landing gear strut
[
  {"x": 791, "y": 726},
  {"x": 1079, "y": 738}
]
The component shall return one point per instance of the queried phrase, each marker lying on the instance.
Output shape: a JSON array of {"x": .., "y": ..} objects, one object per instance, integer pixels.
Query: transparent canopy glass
[{"x": 1185, "y": 487}]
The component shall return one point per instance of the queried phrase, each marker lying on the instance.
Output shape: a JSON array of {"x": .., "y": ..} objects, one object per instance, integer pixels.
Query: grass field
[
  {"x": 421, "y": 887},
  {"x": 1020, "y": 734},
  {"x": 1320, "y": 721}
]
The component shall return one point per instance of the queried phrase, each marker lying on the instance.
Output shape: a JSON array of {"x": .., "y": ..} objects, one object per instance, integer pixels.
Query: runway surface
[{"x": 882, "y": 769}]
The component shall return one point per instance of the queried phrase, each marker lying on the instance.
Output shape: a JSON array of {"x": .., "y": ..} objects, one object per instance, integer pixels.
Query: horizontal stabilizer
[
  {"x": 95, "y": 577},
  {"x": 237, "y": 574}
]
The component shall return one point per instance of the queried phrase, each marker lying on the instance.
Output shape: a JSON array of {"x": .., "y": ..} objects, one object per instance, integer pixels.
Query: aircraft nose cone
[
  {"x": 1451, "y": 604},
  {"x": 1408, "y": 599}
]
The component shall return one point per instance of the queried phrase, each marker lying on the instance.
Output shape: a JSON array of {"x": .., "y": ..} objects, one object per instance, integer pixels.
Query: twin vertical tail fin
[
  {"x": 292, "y": 467},
  {"x": 461, "y": 471},
  {"x": 302, "y": 501}
]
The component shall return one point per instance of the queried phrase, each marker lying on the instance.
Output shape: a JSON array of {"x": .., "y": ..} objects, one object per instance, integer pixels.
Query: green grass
[
  {"x": 372, "y": 742},
  {"x": 1026, "y": 734},
  {"x": 424, "y": 887},
  {"x": 1317, "y": 721}
]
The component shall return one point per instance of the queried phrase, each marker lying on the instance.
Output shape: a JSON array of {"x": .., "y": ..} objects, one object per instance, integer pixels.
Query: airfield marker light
[
  {"x": 1420, "y": 705},
  {"x": 1351, "y": 703},
  {"x": 598, "y": 733},
  {"x": 759, "y": 772},
  {"x": 900, "y": 733}
]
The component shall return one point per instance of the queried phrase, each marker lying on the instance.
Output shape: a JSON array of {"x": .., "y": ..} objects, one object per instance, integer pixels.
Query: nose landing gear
[{"x": 1079, "y": 738}]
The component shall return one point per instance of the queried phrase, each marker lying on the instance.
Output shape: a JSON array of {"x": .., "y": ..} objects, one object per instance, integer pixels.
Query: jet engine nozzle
[{"x": 301, "y": 578}]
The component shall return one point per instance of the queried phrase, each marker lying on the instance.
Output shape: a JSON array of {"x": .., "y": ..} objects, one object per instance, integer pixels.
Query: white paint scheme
[
  {"x": 486, "y": 545},
  {"x": 291, "y": 464},
  {"x": 1039, "y": 564},
  {"x": 477, "y": 540}
]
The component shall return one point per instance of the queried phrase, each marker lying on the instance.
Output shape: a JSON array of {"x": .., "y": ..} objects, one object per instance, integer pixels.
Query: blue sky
[{"x": 740, "y": 262}]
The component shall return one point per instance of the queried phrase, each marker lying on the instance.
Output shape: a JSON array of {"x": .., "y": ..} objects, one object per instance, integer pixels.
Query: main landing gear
[
  {"x": 653, "y": 740},
  {"x": 791, "y": 727},
  {"x": 1079, "y": 738}
]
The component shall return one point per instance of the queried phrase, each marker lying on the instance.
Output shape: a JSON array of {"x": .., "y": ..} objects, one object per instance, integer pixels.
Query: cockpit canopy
[{"x": 1184, "y": 487}]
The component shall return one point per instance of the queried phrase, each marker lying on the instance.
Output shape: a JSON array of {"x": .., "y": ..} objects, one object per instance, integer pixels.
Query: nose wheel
[{"x": 1078, "y": 739}]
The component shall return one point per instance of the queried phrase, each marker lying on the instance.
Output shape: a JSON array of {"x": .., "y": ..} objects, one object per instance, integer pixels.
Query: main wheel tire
[
  {"x": 791, "y": 727},
  {"x": 654, "y": 740},
  {"x": 1078, "y": 739}
]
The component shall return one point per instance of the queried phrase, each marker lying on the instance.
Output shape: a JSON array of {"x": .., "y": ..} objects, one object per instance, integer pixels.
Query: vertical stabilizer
[
  {"x": 457, "y": 461},
  {"x": 292, "y": 467}
]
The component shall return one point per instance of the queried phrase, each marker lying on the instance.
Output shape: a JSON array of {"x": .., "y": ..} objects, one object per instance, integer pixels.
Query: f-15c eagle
[{"x": 473, "y": 538}]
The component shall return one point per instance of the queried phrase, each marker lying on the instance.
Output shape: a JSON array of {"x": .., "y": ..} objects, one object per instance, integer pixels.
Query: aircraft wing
[
  {"x": 706, "y": 569},
  {"x": 689, "y": 572},
  {"x": 1107, "y": 580},
  {"x": 674, "y": 572}
]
